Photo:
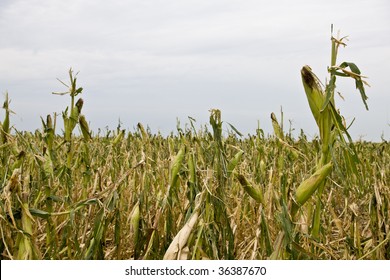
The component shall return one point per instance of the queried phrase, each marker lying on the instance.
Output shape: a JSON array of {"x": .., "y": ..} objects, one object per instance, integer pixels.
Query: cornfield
[{"x": 206, "y": 193}]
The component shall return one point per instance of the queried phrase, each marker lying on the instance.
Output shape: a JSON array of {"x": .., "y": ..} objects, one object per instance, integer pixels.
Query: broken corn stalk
[{"x": 180, "y": 240}]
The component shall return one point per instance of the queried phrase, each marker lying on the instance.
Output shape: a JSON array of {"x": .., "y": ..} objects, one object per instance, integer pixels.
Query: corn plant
[
  {"x": 72, "y": 116},
  {"x": 330, "y": 125}
]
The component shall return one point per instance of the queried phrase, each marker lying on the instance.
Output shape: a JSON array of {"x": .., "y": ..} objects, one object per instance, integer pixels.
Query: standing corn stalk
[
  {"x": 221, "y": 223},
  {"x": 4, "y": 127},
  {"x": 331, "y": 128},
  {"x": 5, "y": 134},
  {"x": 75, "y": 117},
  {"x": 70, "y": 122}
]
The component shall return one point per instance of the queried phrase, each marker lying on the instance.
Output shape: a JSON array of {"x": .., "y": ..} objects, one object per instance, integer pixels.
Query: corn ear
[
  {"x": 234, "y": 161},
  {"x": 79, "y": 104},
  {"x": 314, "y": 92},
  {"x": 310, "y": 185},
  {"x": 4, "y": 127},
  {"x": 134, "y": 224},
  {"x": 277, "y": 129},
  {"x": 119, "y": 137},
  {"x": 176, "y": 166},
  {"x": 71, "y": 121},
  {"x": 253, "y": 192},
  {"x": 84, "y": 128},
  {"x": 48, "y": 165},
  {"x": 143, "y": 131},
  {"x": 74, "y": 117}
]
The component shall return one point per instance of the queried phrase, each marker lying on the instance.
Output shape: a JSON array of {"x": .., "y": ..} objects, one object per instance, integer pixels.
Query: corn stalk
[{"x": 331, "y": 128}]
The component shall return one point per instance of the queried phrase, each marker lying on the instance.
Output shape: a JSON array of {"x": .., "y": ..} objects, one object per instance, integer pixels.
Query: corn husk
[
  {"x": 175, "y": 249},
  {"x": 310, "y": 185}
]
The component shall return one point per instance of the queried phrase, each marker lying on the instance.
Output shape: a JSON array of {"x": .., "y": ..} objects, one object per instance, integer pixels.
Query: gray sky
[{"x": 156, "y": 61}]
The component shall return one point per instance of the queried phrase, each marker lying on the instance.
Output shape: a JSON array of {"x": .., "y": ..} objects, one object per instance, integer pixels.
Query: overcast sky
[{"x": 156, "y": 61}]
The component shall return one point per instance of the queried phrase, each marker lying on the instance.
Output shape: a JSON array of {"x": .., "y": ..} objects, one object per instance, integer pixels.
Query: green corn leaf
[
  {"x": 235, "y": 130},
  {"x": 40, "y": 213},
  {"x": 329, "y": 92},
  {"x": 351, "y": 155},
  {"x": 356, "y": 75}
]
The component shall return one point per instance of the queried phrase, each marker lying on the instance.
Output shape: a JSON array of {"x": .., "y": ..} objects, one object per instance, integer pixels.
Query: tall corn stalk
[
  {"x": 5, "y": 126},
  {"x": 221, "y": 220},
  {"x": 71, "y": 119},
  {"x": 331, "y": 128}
]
